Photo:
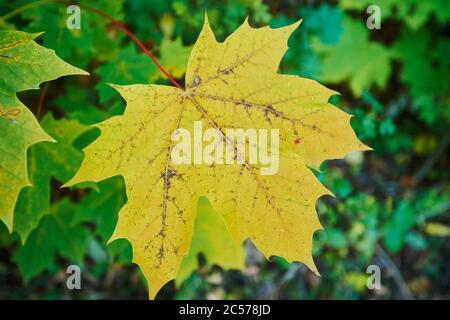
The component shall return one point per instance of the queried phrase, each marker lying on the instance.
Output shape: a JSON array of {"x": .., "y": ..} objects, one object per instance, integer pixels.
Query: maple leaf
[
  {"x": 127, "y": 66},
  {"x": 46, "y": 160},
  {"x": 339, "y": 66},
  {"x": 75, "y": 44},
  {"x": 425, "y": 70},
  {"x": 174, "y": 56},
  {"x": 414, "y": 13},
  {"x": 233, "y": 84},
  {"x": 56, "y": 235},
  {"x": 23, "y": 66}
]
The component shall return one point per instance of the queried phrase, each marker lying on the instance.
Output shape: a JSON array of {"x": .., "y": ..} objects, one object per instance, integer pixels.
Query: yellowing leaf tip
[
  {"x": 68, "y": 184},
  {"x": 36, "y": 34},
  {"x": 206, "y": 29},
  {"x": 114, "y": 86},
  {"x": 292, "y": 27},
  {"x": 246, "y": 21}
]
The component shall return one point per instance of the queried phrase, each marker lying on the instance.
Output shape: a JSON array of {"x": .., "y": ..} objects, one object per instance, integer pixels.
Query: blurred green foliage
[{"x": 392, "y": 205}]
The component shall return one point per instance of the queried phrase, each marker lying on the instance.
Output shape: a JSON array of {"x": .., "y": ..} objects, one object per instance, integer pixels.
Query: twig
[
  {"x": 397, "y": 276},
  {"x": 435, "y": 211},
  {"x": 23, "y": 8},
  {"x": 41, "y": 101},
  {"x": 116, "y": 23},
  {"x": 136, "y": 40},
  {"x": 422, "y": 172}
]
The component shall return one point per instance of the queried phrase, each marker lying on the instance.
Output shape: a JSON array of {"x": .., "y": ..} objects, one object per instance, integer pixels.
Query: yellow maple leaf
[{"x": 233, "y": 84}]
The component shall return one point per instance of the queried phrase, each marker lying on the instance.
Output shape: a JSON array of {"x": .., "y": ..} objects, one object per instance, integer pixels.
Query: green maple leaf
[
  {"x": 415, "y": 13},
  {"x": 425, "y": 69},
  {"x": 79, "y": 45},
  {"x": 23, "y": 65},
  {"x": 355, "y": 59},
  {"x": 64, "y": 231},
  {"x": 78, "y": 103},
  {"x": 56, "y": 235},
  {"x": 174, "y": 57},
  {"x": 128, "y": 66},
  {"x": 46, "y": 160},
  {"x": 102, "y": 207}
]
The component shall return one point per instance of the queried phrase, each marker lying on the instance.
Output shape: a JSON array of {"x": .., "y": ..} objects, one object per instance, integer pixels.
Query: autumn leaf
[
  {"x": 233, "y": 84},
  {"x": 23, "y": 66}
]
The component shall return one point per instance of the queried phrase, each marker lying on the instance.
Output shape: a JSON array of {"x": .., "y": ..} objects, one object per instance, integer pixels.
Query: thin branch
[
  {"x": 435, "y": 211},
  {"x": 136, "y": 40},
  {"x": 23, "y": 8},
  {"x": 429, "y": 163},
  {"x": 397, "y": 276},
  {"x": 116, "y": 23},
  {"x": 41, "y": 101}
]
